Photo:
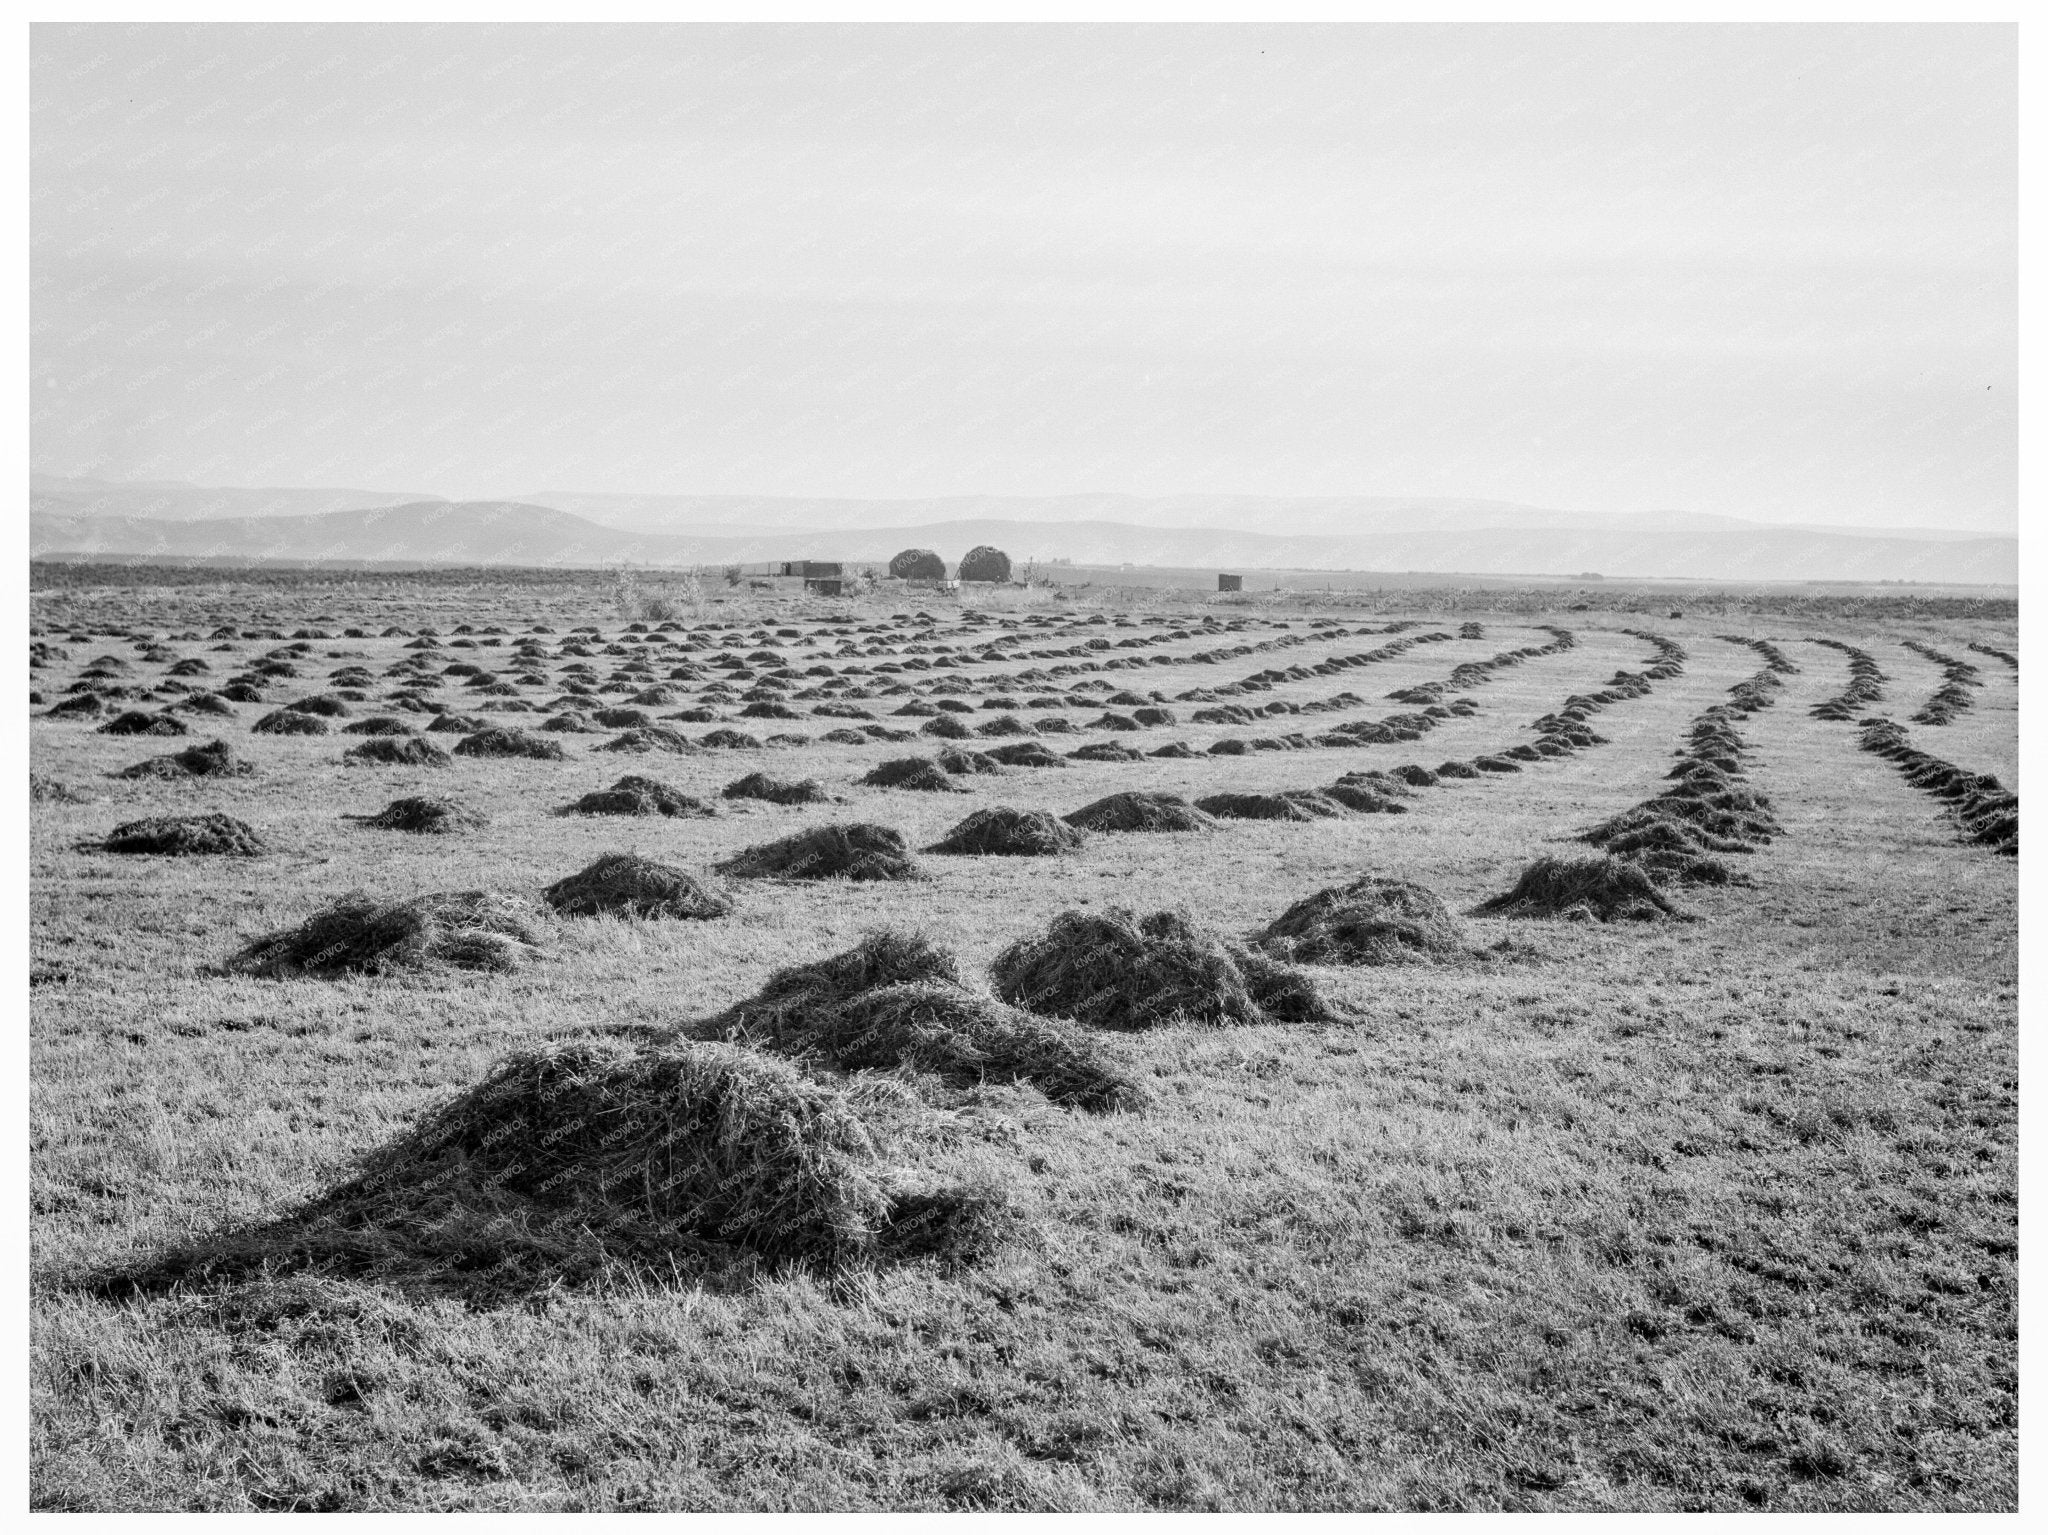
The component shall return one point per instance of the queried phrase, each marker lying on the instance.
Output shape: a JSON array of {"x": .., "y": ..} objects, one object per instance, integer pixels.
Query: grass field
[{"x": 1711, "y": 1214}]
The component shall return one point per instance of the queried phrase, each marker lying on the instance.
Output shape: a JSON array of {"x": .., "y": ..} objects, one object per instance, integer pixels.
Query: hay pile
[
  {"x": 1106, "y": 751},
  {"x": 964, "y": 762},
  {"x": 1455, "y": 769},
  {"x": 396, "y": 751},
  {"x": 856, "y": 851},
  {"x": 1582, "y": 890},
  {"x": 456, "y": 724},
  {"x": 1115, "y": 970},
  {"x": 216, "y": 759},
  {"x": 136, "y": 722},
  {"x": 626, "y": 885},
  {"x": 355, "y": 935},
  {"x": 1287, "y": 805},
  {"x": 1371, "y": 921},
  {"x": 635, "y": 795},
  {"x": 180, "y": 835},
  {"x": 1141, "y": 810},
  {"x": 919, "y": 773},
  {"x": 896, "y": 1001},
  {"x": 653, "y": 1157},
  {"x": 727, "y": 739},
  {"x": 284, "y": 722},
  {"x": 777, "y": 791},
  {"x": 1015, "y": 833},
  {"x": 650, "y": 738},
  {"x": 1365, "y": 798},
  {"x": 43, "y": 790},
  {"x": 423, "y": 813},
  {"x": 503, "y": 741},
  {"x": 377, "y": 725},
  {"x": 1026, "y": 754}
]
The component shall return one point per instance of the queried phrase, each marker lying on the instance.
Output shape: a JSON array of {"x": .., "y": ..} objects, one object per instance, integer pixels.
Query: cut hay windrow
[
  {"x": 857, "y": 850},
  {"x": 1371, "y": 921},
  {"x": 186, "y": 835},
  {"x": 358, "y": 935},
  {"x": 1866, "y": 685},
  {"x": 627, "y": 885},
  {"x": 897, "y": 1001},
  {"x": 1582, "y": 890},
  {"x": 215, "y": 759},
  {"x": 428, "y": 815},
  {"x": 1983, "y": 809},
  {"x": 1000, "y": 830},
  {"x": 1116, "y": 970},
  {"x": 1953, "y": 696}
]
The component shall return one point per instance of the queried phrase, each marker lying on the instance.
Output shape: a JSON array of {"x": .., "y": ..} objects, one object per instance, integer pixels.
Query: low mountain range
[{"x": 97, "y": 519}]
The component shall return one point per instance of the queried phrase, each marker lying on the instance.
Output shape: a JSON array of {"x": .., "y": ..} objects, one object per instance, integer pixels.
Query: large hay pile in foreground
[
  {"x": 1115, "y": 970},
  {"x": 858, "y": 850},
  {"x": 1371, "y": 921},
  {"x": 895, "y": 1000},
  {"x": 626, "y": 885},
  {"x": 182, "y": 835},
  {"x": 1013, "y": 833},
  {"x": 1582, "y": 890},
  {"x": 1140, "y": 810},
  {"x": 612, "y": 1154},
  {"x": 460, "y": 929}
]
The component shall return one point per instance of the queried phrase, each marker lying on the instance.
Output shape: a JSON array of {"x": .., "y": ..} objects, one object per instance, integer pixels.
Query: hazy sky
[{"x": 1765, "y": 272}]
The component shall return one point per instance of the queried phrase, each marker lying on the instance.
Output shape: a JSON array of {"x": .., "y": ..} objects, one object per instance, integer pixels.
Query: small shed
[{"x": 1229, "y": 583}]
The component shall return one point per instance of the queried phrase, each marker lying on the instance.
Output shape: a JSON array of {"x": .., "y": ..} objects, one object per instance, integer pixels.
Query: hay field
[{"x": 1707, "y": 1212}]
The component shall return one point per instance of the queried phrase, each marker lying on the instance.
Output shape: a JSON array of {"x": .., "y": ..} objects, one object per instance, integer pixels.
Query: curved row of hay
[
  {"x": 2006, "y": 656},
  {"x": 1986, "y": 811},
  {"x": 1471, "y": 674},
  {"x": 1953, "y": 696},
  {"x": 1866, "y": 684}
]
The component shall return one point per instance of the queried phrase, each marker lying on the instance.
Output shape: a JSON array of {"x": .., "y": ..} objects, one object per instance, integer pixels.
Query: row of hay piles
[
  {"x": 1116, "y": 970},
  {"x": 1987, "y": 811},
  {"x": 1287, "y": 805},
  {"x": 896, "y": 1001},
  {"x": 1140, "y": 810},
  {"x": 1866, "y": 685},
  {"x": 1953, "y": 696},
  {"x": 2006, "y": 656}
]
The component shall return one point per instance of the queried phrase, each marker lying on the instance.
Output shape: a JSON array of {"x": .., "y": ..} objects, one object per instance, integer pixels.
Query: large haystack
[
  {"x": 1582, "y": 890},
  {"x": 426, "y": 814},
  {"x": 182, "y": 835},
  {"x": 895, "y": 1000},
  {"x": 1015, "y": 833},
  {"x": 462, "y": 929},
  {"x": 1114, "y": 970},
  {"x": 857, "y": 850},
  {"x": 1141, "y": 810},
  {"x": 627, "y": 885},
  {"x": 1371, "y": 921},
  {"x": 636, "y": 795},
  {"x": 216, "y": 759}
]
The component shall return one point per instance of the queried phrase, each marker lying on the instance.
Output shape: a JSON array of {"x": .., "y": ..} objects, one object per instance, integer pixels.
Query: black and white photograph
[{"x": 984, "y": 766}]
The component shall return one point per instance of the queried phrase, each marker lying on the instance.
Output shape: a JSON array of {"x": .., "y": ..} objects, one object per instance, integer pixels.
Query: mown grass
[{"x": 1720, "y": 1215}]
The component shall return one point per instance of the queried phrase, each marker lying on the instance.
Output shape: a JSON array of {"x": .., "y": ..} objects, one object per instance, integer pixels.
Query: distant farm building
[{"x": 1229, "y": 583}]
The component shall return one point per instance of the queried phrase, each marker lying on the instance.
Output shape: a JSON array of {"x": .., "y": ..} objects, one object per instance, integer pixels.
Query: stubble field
[{"x": 1715, "y": 1210}]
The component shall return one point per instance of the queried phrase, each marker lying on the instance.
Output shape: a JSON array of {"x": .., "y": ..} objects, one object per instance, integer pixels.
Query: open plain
[{"x": 1708, "y": 1206}]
